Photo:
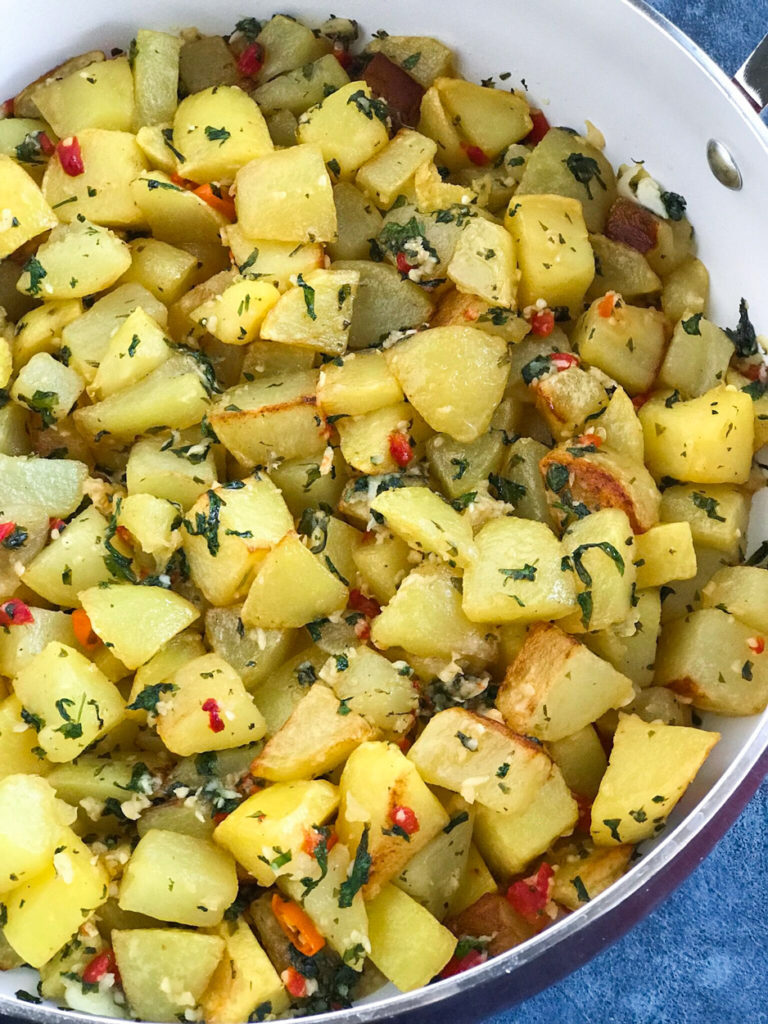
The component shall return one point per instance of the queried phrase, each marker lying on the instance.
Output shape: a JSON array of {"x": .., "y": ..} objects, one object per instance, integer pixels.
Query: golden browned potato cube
[
  {"x": 28, "y": 212},
  {"x": 428, "y": 523},
  {"x": 235, "y": 315},
  {"x": 362, "y": 383},
  {"x": 97, "y": 96},
  {"x": 389, "y": 172},
  {"x": 348, "y": 127},
  {"x": 583, "y": 871},
  {"x": 490, "y": 119},
  {"x": 244, "y": 979}
]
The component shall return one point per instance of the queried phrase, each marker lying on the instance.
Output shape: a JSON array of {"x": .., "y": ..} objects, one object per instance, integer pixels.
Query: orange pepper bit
[
  {"x": 83, "y": 630},
  {"x": 222, "y": 202},
  {"x": 607, "y": 304},
  {"x": 297, "y": 926}
]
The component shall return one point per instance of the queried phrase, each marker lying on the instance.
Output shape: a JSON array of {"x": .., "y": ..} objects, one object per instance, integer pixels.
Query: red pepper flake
[
  {"x": 543, "y": 322},
  {"x": 6, "y": 529},
  {"x": 15, "y": 613},
  {"x": 530, "y": 895},
  {"x": 44, "y": 142},
  {"x": 540, "y": 128},
  {"x": 315, "y": 838},
  {"x": 584, "y": 822},
  {"x": 400, "y": 448},
  {"x": 180, "y": 182},
  {"x": 251, "y": 60},
  {"x": 295, "y": 983},
  {"x": 607, "y": 304},
  {"x": 639, "y": 400},
  {"x": 756, "y": 644},
  {"x": 369, "y": 606},
  {"x": 70, "y": 157},
  {"x": 474, "y": 958},
  {"x": 405, "y": 818},
  {"x": 478, "y": 157},
  {"x": 6, "y": 109},
  {"x": 215, "y": 721},
  {"x": 220, "y": 816},
  {"x": 102, "y": 964},
  {"x": 363, "y": 629},
  {"x": 754, "y": 371},
  {"x": 124, "y": 534},
  {"x": 57, "y": 524},
  {"x": 342, "y": 55},
  {"x": 563, "y": 360},
  {"x": 594, "y": 439},
  {"x": 402, "y": 263},
  {"x": 405, "y": 744}
]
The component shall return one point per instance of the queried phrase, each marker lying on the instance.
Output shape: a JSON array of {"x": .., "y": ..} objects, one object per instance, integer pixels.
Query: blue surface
[{"x": 702, "y": 957}]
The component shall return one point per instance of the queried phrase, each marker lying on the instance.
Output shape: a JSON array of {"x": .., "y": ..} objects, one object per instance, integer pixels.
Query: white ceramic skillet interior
[{"x": 656, "y": 97}]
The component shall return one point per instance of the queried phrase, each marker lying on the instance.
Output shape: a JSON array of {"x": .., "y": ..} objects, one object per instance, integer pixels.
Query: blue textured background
[{"x": 702, "y": 957}]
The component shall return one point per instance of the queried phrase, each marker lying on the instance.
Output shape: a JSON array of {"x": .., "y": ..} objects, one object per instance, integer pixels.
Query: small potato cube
[
  {"x": 686, "y": 290},
  {"x": 76, "y": 259},
  {"x": 244, "y": 980},
  {"x": 620, "y": 268},
  {"x": 706, "y": 440},
  {"x": 481, "y": 759},
  {"x": 136, "y": 621},
  {"x": 428, "y": 523},
  {"x": 46, "y": 911},
  {"x": 165, "y": 270},
  {"x": 151, "y": 960},
  {"x": 18, "y": 751},
  {"x": 433, "y": 194},
  {"x": 554, "y": 255},
  {"x": 743, "y": 590},
  {"x": 715, "y": 661},
  {"x": 583, "y": 871},
  {"x": 228, "y": 532},
  {"x": 556, "y": 686},
  {"x": 358, "y": 220},
  {"x": 75, "y": 702},
  {"x": 408, "y": 945},
  {"x": 253, "y": 653},
  {"x": 630, "y": 646},
  {"x": 664, "y": 553},
  {"x": 28, "y": 214},
  {"x": 47, "y": 387},
  {"x": 173, "y": 877},
  {"x": 509, "y": 842},
  {"x": 156, "y": 76},
  {"x": 717, "y": 515},
  {"x": 317, "y": 313},
  {"x": 623, "y": 432},
  {"x": 292, "y": 588},
  {"x": 348, "y": 127},
  {"x": 275, "y": 822},
  {"x": 362, "y": 383},
  {"x": 698, "y": 356},
  {"x": 301, "y": 88},
  {"x": 236, "y": 314},
  {"x": 628, "y": 344},
  {"x": 320, "y": 734},
  {"x": 600, "y": 550},
  {"x": 166, "y": 475},
  {"x": 152, "y": 522},
  {"x": 483, "y": 263},
  {"x": 633, "y": 805},
  {"x": 98, "y": 96},
  {"x": 491, "y": 119},
  {"x": 389, "y": 172},
  {"x": 208, "y": 709},
  {"x": 568, "y": 399},
  {"x": 521, "y": 480},
  {"x": 581, "y": 759},
  {"x": 454, "y": 376},
  {"x": 40, "y": 328},
  {"x": 278, "y": 263},
  {"x": 476, "y": 881},
  {"x": 377, "y": 781},
  {"x": 139, "y": 347},
  {"x": 218, "y": 131},
  {"x": 425, "y": 615},
  {"x": 304, "y": 486},
  {"x": 287, "y": 45},
  {"x": 435, "y": 59},
  {"x": 383, "y": 565},
  {"x": 374, "y": 687},
  {"x": 286, "y": 196},
  {"x": 517, "y": 574},
  {"x": 28, "y": 839},
  {"x": 175, "y": 214},
  {"x": 53, "y": 487}
]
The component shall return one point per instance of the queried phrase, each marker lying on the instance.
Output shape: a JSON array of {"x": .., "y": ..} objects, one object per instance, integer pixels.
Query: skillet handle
[{"x": 752, "y": 76}]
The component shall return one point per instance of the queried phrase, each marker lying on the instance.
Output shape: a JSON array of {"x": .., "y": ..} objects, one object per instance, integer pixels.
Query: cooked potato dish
[{"x": 374, "y": 493}]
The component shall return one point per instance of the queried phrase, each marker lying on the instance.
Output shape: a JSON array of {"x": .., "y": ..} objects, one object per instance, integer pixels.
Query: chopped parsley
[
  {"x": 585, "y": 169},
  {"x": 359, "y": 872},
  {"x": 691, "y": 325},
  {"x": 309, "y": 297},
  {"x": 370, "y": 106},
  {"x": 219, "y": 135}
]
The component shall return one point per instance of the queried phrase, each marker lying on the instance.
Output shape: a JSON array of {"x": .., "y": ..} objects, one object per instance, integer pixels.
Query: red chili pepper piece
[
  {"x": 314, "y": 838},
  {"x": 215, "y": 721},
  {"x": 402, "y": 263},
  {"x": 400, "y": 448},
  {"x": 594, "y": 439},
  {"x": 756, "y": 644},
  {"x": 405, "y": 818},
  {"x": 15, "y": 613},
  {"x": 103, "y": 963},
  {"x": 563, "y": 360},
  {"x": 639, "y": 400},
  {"x": 476, "y": 155},
  {"x": 342, "y": 55},
  {"x": 6, "y": 529},
  {"x": 44, "y": 142},
  {"x": 530, "y": 895},
  {"x": 543, "y": 322},
  {"x": 369, "y": 606},
  {"x": 474, "y": 958},
  {"x": 295, "y": 983},
  {"x": 405, "y": 744},
  {"x": 57, "y": 524},
  {"x": 540, "y": 128},
  {"x": 7, "y": 108},
  {"x": 70, "y": 157},
  {"x": 251, "y": 60}
]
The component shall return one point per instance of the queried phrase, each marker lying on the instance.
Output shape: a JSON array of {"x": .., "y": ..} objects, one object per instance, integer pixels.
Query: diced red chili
[
  {"x": 530, "y": 895},
  {"x": 6, "y": 529},
  {"x": 342, "y": 55},
  {"x": 44, "y": 142},
  {"x": 315, "y": 838},
  {"x": 251, "y": 60},
  {"x": 70, "y": 156},
  {"x": 584, "y": 823},
  {"x": 402, "y": 263},
  {"x": 405, "y": 818},
  {"x": 473, "y": 958},
  {"x": 607, "y": 304},
  {"x": 756, "y": 644},
  {"x": 639, "y": 400},
  {"x": 405, "y": 744},
  {"x": 543, "y": 322},
  {"x": 478, "y": 156},
  {"x": 215, "y": 721},
  {"x": 103, "y": 963},
  {"x": 57, "y": 524},
  {"x": 7, "y": 108},
  {"x": 400, "y": 448},
  {"x": 563, "y": 360},
  {"x": 594, "y": 439},
  {"x": 295, "y": 983},
  {"x": 540, "y": 128},
  {"x": 369, "y": 606},
  {"x": 15, "y": 613}
]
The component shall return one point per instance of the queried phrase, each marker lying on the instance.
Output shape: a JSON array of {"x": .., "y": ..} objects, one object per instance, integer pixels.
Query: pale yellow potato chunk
[
  {"x": 28, "y": 214},
  {"x": 408, "y": 944}
]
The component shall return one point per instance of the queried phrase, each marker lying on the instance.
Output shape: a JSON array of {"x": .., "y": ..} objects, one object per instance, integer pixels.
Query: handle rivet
[{"x": 723, "y": 165}]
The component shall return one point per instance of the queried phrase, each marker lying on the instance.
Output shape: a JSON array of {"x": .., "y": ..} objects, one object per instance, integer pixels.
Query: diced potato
[
  {"x": 244, "y": 980},
  {"x": 177, "y": 652},
  {"x": 600, "y": 550},
  {"x": 172, "y": 475},
  {"x": 137, "y": 348},
  {"x": 428, "y": 523},
  {"x": 435, "y": 59},
  {"x": 39, "y": 330},
  {"x": 509, "y": 842},
  {"x": 623, "y": 432},
  {"x": 655, "y": 704},
  {"x": 581, "y": 759},
  {"x": 480, "y": 759},
  {"x": 517, "y": 575},
  {"x": 163, "y": 269},
  {"x": 28, "y": 839},
  {"x": 317, "y": 313},
  {"x": 304, "y": 485},
  {"x": 704, "y": 440},
  {"x": 383, "y": 564},
  {"x": 389, "y": 172},
  {"x": 712, "y": 659},
  {"x": 519, "y": 480},
  {"x": 47, "y": 387},
  {"x": 93, "y": 776},
  {"x": 99, "y": 96},
  {"x": 433, "y": 194},
  {"x": 583, "y": 871},
  {"x": 280, "y": 693},
  {"x": 101, "y": 194},
  {"x": 408, "y": 944},
  {"x": 205, "y": 61},
  {"x": 77, "y": 259},
  {"x": 620, "y": 268},
  {"x": 14, "y": 439},
  {"x": 743, "y": 590},
  {"x": 426, "y": 618},
  {"x": 556, "y": 686},
  {"x": 148, "y": 957},
  {"x": 292, "y": 588},
  {"x": 361, "y": 384},
  {"x": 51, "y": 487},
  {"x": 254, "y": 653},
  {"x": 374, "y": 687},
  {"x": 490, "y": 119},
  {"x": 287, "y": 45},
  {"x": 218, "y": 131},
  {"x": 717, "y": 515},
  {"x": 136, "y": 620},
  {"x": 476, "y": 881},
  {"x": 236, "y": 314},
  {"x": 286, "y": 196},
  {"x": 697, "y": 358},
  {"x": 28, "y": 214},
  {"x": 436, "y": 123},
  {"x": 376, "y": 781},
  {"x": 74, "y": 702},
  {"x": 274, "y": 822},
  {"x": 155, "y": 76},
  {"x": 277, "y": 263},
  {"x": 19, "y": 752},
  {"x": 385, "y": 302},
  {"x": 484, "y": 264},
  {"x": 568, "y": 398},
  {"x": 155, "y": 141},
  {"x": 686, "y": 289},
  {"x": 175, "y": 214},
  {"x": 557, "y": 271},
  {"x": 665, "y": 553},
  {"x": 178, "y": 878},
  {"x": 454, "y": 376},
  {"x": 630, "y": 646},
  {"x": 348, "y": 127},
  {"x": 46, "y": 911},
  {"x": 299, "y": 89},
  {"x": 632, "y": 805},
  {"x": 628, "y": 344}
]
